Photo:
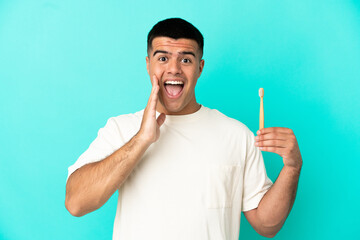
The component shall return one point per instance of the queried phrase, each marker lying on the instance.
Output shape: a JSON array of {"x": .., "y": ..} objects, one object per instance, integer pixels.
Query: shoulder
[
  {"x": 227, "y": 123},
  {"x": 124, "y": 121},
  {"x": 128, "y": 117},
  {"x": 231, "y": 134}
]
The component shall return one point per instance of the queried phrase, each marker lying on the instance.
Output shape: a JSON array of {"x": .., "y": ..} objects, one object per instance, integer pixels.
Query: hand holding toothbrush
[{"x": 279, "y": 140}]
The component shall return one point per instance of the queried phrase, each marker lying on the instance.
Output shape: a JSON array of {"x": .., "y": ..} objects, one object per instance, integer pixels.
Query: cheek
[
  {"x": 157, "y": 70},
  {"x": 192, "y": 77}
]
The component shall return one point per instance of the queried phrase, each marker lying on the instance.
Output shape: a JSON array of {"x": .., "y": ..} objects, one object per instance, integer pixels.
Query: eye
[
  {"x": 162, "y": 59},
  {"x": 186, "y": 60}
]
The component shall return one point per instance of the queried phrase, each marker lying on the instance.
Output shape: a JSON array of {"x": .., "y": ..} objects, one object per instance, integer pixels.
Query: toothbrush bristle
[{"x": 261, "y": 92}]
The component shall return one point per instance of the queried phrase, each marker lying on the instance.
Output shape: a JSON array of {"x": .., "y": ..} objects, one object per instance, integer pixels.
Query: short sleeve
[
  {"x": 108, "y": 140},
  {"x": 256, "y": 181}
]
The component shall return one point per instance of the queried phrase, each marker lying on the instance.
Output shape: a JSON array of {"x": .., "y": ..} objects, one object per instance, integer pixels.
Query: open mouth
[{"x": 173, "y": 88}]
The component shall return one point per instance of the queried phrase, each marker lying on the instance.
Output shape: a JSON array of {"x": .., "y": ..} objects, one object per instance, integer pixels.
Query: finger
[
  {"x": 274, "y": 130},
  {"x": 272, "y": 149},
  {"x": 149, "y": 100},
  {"x": 161, "y": 119},
  {"x": 272, "y": 135},
  {"x": 154, "y": 98},
  {"x": 272, "y": 143},
  {"x": 155, "y": 81},
  {"x": 154, "y": 91}
]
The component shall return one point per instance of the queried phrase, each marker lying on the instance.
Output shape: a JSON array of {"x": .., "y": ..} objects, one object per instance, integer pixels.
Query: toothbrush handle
[{"x": 261, "y": 113}]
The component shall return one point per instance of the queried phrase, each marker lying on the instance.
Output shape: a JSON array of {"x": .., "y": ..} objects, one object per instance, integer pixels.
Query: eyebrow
[{"x": 165, "y": 52}]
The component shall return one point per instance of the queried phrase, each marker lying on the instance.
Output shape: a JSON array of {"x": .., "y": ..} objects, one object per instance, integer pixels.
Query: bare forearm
[
  {"x": 275, "y": 206},
  {"x": 89, "y": 187}
]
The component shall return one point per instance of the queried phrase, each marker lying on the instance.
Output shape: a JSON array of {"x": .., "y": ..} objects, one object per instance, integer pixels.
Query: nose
[{"x": 174, "y": 67}]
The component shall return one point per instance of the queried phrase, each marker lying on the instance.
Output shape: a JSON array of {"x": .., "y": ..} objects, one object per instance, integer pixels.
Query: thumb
[{"x": 161, "y": 119}]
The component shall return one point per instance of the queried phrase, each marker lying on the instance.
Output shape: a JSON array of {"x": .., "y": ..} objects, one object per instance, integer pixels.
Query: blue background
[{"x": 67, "y": 66}]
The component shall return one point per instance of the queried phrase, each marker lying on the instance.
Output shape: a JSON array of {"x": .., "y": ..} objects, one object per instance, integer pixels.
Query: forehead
[{"x": 161, "y": 43}]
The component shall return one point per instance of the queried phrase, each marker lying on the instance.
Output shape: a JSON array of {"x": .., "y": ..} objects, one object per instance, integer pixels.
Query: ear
[
  {"x": 201, "y": 67},
  {"x": 147, "y": 64}
]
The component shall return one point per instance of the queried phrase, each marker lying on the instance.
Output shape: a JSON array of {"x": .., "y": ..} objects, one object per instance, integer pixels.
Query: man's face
[{"x": 177, "y": 64}]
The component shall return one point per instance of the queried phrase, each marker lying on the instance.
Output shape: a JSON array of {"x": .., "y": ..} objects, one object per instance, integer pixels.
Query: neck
[{"x": 188, "y": 109}]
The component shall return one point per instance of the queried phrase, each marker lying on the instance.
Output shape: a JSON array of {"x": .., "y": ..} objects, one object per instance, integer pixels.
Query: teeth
[{"x": 174, "y": 82}]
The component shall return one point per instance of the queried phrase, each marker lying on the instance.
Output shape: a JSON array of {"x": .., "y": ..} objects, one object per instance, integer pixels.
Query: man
[{"x": 183, "y": 171}]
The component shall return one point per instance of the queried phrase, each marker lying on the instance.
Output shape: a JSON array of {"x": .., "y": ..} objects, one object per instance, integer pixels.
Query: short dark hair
[{"x": 175, "y": 28}]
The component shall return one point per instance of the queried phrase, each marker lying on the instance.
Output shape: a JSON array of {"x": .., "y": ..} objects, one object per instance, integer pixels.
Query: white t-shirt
[{"x": 192, "y": 183}]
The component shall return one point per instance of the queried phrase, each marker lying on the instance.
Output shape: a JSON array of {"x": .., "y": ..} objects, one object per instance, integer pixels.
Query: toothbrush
[{"x": 261, "y": 95}]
